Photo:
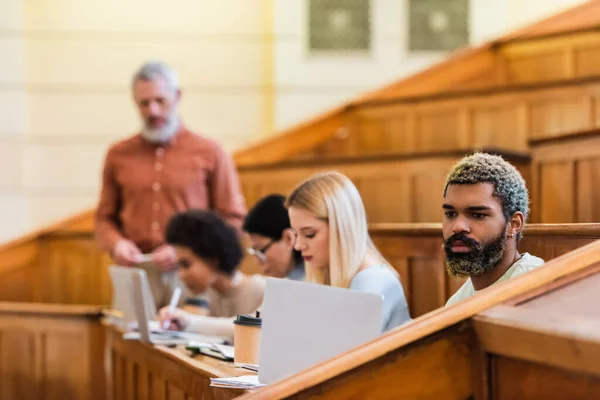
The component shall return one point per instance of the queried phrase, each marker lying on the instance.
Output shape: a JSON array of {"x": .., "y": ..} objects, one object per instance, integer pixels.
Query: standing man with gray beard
[
  {"x": 163, "y": 170},
  {"x": 486, "y": 205}
]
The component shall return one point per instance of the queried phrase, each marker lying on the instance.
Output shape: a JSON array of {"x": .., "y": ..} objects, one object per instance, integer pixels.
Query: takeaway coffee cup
[{"x": 246, "y": 339}]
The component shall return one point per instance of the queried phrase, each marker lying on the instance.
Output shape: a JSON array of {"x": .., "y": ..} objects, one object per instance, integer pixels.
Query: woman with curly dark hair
[{"x": 208, "y": 252}]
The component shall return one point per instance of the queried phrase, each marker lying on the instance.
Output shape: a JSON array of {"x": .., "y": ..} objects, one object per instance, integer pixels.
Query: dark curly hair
[{"x": 208, "y": 236}]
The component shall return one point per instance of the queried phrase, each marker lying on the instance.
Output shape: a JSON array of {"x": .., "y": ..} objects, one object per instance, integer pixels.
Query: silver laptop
[
  {"x": 305, "y": 324},
  {"x": 123, "y": 302},
  {"x": 132, "y": 294}
]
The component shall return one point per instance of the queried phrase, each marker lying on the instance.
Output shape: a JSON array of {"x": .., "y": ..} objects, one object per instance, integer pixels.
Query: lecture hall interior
[{"x": 308, "y": 199}]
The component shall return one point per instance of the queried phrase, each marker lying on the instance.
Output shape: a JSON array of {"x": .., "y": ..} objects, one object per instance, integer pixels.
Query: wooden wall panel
[
  {"x": 397, "y": 189},
  {"x": 415, "y": 250},
  {"x": 386, "y": 199},
  {"x": 517, "y": 379},
  {"x": 49, "y": 354},
  {"x": 68, "y": 272},
  {"x": 436, "y": 367},
  {"x": 557, "y": 192},
  {"x": 17, "y": 272},
  {"x": 504, "y": 119},
  {"x": 587, "y": 193},
  {"x": 140, "y": 371},
  {"x": 587, "y": 60},
  {"x": 64, "y": 365},
  {"x": 499, "y": 126},
  {"x": 555, "y": 116},
  {"x": 428, "y": 281},
  {"x": 438, "y": 130},
  {"x": 18, "y": 368},
  {"x": 428, "y": 196},
  {"x": 535, "y": 68},
  {"x": 566, "y": 178}
]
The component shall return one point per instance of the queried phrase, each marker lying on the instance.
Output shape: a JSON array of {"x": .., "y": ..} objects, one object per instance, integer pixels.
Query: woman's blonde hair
[{"x": 332, "y": 197}]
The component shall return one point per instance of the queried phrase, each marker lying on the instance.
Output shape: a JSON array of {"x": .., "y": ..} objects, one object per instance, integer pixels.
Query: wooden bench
[
  {"x": 399, "y": 188},
  {"x": 415, "y": 251},
  {"x": 449, "y": 354},
  {"x": 141, "y": 371},
  {"x": 64, "y": 265},
  {"x": 67, "y": 352}
]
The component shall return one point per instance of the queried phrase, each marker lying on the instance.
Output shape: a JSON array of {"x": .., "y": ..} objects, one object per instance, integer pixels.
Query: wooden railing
[
  {"x": 500, "y": 118},
  {"x": 561, "y": 48},
  {"x": 396, "y": 188},
  {"x": 433, "y": 357},
  {"x": 50, "y": 351},
  {"x": 415, "y": 251},
  {"x": 73, "y": 271},
  {"x": 140, "y": 371}
]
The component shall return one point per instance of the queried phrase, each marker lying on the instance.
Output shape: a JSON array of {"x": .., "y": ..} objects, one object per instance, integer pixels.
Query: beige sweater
[{"x": 245, "y": 298}]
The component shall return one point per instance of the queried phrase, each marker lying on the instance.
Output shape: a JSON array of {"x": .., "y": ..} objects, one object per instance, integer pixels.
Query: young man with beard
[
  {"x": 163, "y": 170},
  {"x": 486, "y": 205}
]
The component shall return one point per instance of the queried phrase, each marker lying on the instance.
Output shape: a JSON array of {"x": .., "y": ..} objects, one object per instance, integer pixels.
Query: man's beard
[
  {"x": 481, "y": 259},
  {"x": 164, "y": 134}
]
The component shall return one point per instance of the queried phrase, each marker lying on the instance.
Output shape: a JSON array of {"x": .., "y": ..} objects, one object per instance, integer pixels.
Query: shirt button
[
  {"x": 155, "y": 226},
  {"x": 156, "y": 206},
  {"x": 158, "y": 166},
  {"x": 160, "y": 151},
  {"x": 156, "y": 186}
]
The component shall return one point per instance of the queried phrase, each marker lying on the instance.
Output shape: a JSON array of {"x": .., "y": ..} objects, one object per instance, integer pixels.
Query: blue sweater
[{"x": 379, "y": 279}]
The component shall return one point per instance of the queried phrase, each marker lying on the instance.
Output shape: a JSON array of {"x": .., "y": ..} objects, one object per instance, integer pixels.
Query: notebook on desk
[{"x": 305, "y": 324}]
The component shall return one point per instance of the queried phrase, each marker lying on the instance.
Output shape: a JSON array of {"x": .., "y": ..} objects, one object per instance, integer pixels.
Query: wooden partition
[
  {"x": 140, "y": 371},
  {"x": 405, "y": 188},
  {"x": 503, "y": 118},
  {"x": 51, "y": 352},
  {"x": 74, "y": 271},
  {"x": 441, "y": 356},
  {"x": 566, "y": 178},
  {"x": 65, "y": 268},
  {"x": 415, "y": 251},
  {"x": 544, "y": 344},
  {"x": 560, "y": 48}
]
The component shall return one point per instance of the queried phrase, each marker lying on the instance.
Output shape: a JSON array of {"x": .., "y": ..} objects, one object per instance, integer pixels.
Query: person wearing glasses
[{"x": 271, "y": 238}]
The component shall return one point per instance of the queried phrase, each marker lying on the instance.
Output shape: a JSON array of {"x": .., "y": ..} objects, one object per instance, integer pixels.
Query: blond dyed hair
[{"x": 333, "y": 198}]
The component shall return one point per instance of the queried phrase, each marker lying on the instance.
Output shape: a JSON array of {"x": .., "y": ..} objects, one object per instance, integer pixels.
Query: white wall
[
  {"x": 79, "y": 57},
  {"x": 65, "y": 67},
  {"x": 305, "y": 85},
  {"x": 13, "y": 121},
  {"x": 493, "y": 18}
]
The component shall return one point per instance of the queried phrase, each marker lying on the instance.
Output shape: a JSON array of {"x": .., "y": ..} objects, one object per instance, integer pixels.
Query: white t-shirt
[{"x": 526, "y": 263}]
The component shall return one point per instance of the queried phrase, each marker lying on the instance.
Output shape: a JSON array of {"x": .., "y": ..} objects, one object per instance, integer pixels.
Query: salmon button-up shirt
[{"x": 144, "y": 184}]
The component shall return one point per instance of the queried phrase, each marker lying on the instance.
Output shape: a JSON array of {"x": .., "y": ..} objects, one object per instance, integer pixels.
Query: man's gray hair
[{"x": 152, "y": 70}]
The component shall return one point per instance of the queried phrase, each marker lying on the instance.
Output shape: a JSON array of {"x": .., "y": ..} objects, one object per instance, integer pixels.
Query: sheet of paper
[{"x": 237, "y": 382}]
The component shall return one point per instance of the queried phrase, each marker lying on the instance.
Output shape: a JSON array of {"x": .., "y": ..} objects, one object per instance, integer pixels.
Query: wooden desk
[
  {"x": 545, "y": 344},
  {"x": 51, "y": 351},
  {"x": 142, "y": 371},
  {"x": 441, "y": 356}
]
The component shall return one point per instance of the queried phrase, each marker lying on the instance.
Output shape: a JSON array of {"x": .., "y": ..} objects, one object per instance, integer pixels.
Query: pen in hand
[{"x": 172, "y": 305}]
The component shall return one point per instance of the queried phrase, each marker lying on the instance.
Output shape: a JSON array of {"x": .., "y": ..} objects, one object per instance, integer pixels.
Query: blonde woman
[{"x": 329, "y": 220}]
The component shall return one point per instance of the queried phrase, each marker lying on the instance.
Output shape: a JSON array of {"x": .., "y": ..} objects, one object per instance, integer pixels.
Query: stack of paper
[{"x": 239, "y": 382}]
